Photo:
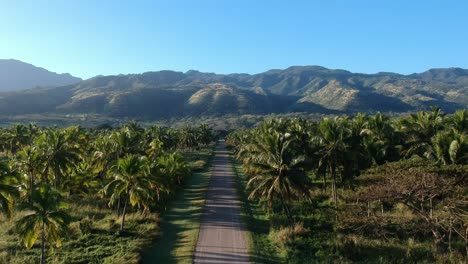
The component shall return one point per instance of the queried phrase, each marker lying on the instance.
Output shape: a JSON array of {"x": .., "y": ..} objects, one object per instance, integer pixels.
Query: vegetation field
[
  {"x": 75, "y": 195},
  {"x": 362, "y": 189}
]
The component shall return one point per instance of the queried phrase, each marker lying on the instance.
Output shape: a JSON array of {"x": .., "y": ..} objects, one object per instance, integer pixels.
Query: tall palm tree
[
  {"x": 276, "y": 170},
  {"x": 8, "y": 190},
  {"x": 206, "y": 134},
  {"x": 30, "y": 163},
  {"x": 48, "y": 220},
  {"x": 60, "y": 152},
  {"x": 17, "y": 137},
  {"x": 131, "y": 180},
  {"x": 333, "y": 148}
]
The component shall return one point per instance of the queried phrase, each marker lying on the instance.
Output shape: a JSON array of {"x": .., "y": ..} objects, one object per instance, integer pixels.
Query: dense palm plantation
[
  {"x": 395, "y": 183},
  {"x": 50, "y": 178}
]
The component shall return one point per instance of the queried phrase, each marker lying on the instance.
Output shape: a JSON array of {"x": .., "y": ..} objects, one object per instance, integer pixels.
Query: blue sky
[{"x": 88, "y": 38}]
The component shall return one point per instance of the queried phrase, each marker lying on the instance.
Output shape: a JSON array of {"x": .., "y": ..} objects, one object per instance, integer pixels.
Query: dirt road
[{"x": 222, "y": 237}]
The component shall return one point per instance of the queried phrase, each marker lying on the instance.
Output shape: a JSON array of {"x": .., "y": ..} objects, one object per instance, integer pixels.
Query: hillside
[
  {"x": 296, "y": 89},
  {"x": 16, "y": 75}
]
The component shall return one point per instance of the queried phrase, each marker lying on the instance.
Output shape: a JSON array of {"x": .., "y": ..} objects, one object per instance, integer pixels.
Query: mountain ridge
[
  {"x": 17, "y": 75},
  {"x": 162, "y": 94}
]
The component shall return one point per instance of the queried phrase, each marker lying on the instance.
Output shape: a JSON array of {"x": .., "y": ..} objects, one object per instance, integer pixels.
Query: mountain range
[
  {"x": 17, "y": 75},
  {"x": 164, "y": 94}
]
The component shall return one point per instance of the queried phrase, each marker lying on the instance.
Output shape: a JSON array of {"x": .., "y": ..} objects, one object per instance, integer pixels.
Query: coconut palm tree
[
  {"x": 48, "y": 220},
  {"x": 276, "y": 170},
  {"x": 131, "y": 180},
  {"x": 378, "y": 139},
  {"x": 419, "y": 128},
  {"x": 8, "y": 190},
  {"x": 30, "y": 163},
  {"x": 60, "y": 153},
  {"x": 459, "y": 121},
  {"x": 173, "y": 166},
  {"x": 16, "y": 137},
  {"x": 448, "y": 147},
  {"x": 333, "y": 148}
]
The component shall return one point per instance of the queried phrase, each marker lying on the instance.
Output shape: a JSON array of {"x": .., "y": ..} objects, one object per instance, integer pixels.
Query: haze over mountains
[
  {"x": 17, "y": 75},
  {"x": 165, "y": 94}
]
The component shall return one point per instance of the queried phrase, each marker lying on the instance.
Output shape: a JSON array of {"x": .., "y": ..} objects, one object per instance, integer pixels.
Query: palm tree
[
  {"x": 333, "y": 148},
  {"x": 173, "y": 166},
  {"x": 131, "y": 180},
  {"x": 8, "y": 190},
  {"x": 16, "y": 137},
  {"x": 47, "y": 220},
  {"x": 378, "y": 139},
  {"x": 419, "y": 129},
  {"x": 60, "y": 152},
  {"x": 187, "y": 137},
  {"x": 30, "y": 163},
  {"x": 448, "y": 147},
  {"x": 206, "y": 134},
  {"x": 276, "y": 170},
  {"x": 459, "y": 121}
]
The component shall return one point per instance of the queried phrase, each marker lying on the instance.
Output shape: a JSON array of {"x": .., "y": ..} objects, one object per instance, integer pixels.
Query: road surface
[{"x": 222, "y": 237}]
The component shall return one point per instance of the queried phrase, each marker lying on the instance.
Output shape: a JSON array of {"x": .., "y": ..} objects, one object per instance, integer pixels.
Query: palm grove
[
  {"x": 130, "y": 168},
  {"x": 361, "y": 188}
]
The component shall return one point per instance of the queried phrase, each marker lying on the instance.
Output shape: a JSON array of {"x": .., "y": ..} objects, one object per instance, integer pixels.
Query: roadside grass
[
  {"x": 181, "y": 222},
  {"x": 261, "y": 249}
]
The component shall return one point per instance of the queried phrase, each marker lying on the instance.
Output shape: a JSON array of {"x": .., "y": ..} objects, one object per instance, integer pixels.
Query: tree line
[
  {"x": 285, "y": 160},
  {"x": 130, "y": 166}
]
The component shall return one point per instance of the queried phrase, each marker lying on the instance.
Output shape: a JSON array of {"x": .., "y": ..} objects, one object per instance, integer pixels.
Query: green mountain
[{"x": 165, "y": 94}]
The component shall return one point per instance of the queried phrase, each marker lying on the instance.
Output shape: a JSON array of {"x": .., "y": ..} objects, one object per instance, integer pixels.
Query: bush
[
  {"x": 198, "y": 165},
  {"x": 86, "y": 226}
]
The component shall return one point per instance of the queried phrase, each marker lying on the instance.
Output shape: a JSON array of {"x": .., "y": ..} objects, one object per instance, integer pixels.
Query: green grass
[
  {"x": 181, "y": 222},
  {"x": 261, "y": 249},
  {"x": 98, "y": 242}
]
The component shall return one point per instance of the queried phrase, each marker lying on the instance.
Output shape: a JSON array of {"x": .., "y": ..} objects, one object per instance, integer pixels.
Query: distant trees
[{"x": 340, "y": 148}]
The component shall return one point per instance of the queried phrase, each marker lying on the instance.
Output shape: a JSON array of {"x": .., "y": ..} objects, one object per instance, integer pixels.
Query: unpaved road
[{"x": 222, "y": 237}]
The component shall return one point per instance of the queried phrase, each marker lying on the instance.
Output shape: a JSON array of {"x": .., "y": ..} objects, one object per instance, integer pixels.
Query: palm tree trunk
[
  {"x": 285, "y": 208},
  {"x": 333, "y": 176},
  {"x": 325, "y": 182},
  {"x": 123, "y": 215},
  {"x": 118, "y": 207},
  {"x": 43, "y": 244},
  {"x": 31, "y": 188},
  {"x": 57, "y": 178}
]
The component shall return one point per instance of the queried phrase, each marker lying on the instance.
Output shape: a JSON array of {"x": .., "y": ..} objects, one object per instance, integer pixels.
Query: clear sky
[{"x": 92, "y": 37}]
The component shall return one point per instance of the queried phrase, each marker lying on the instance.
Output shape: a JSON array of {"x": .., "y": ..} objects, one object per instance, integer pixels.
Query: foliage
[
  {"x": 125, "y": 169},
  {"x": 392, "y": 181}
]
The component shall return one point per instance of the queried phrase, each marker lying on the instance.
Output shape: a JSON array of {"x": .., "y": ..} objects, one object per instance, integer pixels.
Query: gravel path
[{"x": 222, "y": 237}]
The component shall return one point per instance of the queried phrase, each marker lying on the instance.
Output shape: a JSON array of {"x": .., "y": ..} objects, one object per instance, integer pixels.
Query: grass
[
  {"x": 181, "y": 222},
  {"x": 261, "y": 249},
  {"x": 93, "y": 237},
  {"x": 316, "y": 236}
]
